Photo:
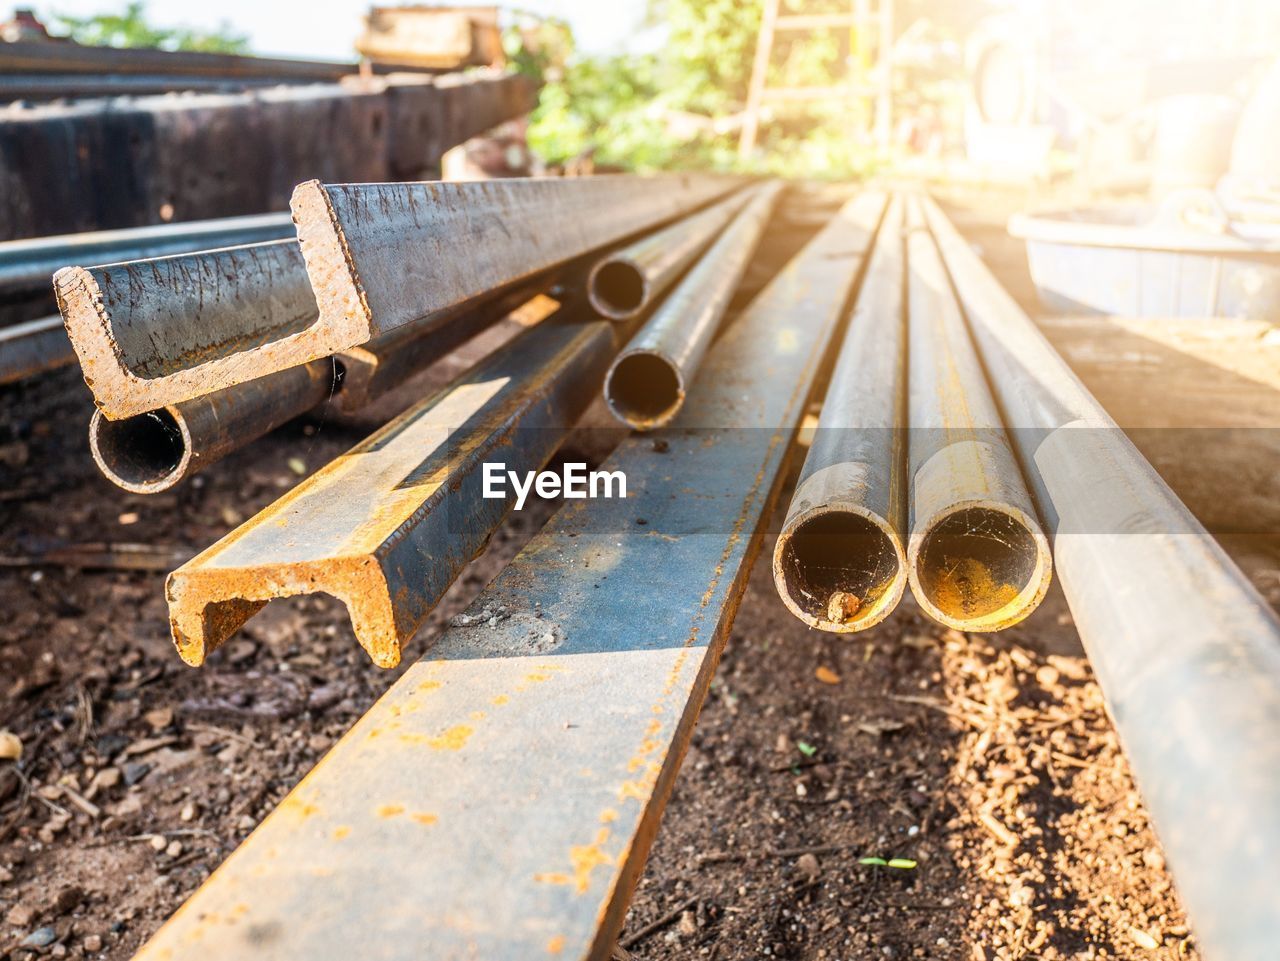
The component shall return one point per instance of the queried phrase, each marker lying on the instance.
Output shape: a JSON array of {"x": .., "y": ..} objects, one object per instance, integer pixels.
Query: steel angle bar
[
  {"x": 839, "y": 562},
  {"x": 1186, "y": 651},
  {"x": 27, "y": 265},
  {"x": 150, "y": 333},
  {"x": 388, "y": 526},
  {"x": 624, "y": 283},
  {"x": 647, "y": 384},
  {"x": 383, "y": 255},
  {"x": 500, "y": 800},
  {"x": 149, "y": 453},
  {"x": 977, "y": 559},
  {"x": 33, "y": 347}
]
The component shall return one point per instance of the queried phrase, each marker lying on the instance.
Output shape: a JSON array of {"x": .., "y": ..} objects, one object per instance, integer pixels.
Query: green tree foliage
[
  {"x": 677, "y": 107},
  {"x": 130, "y": 28}
]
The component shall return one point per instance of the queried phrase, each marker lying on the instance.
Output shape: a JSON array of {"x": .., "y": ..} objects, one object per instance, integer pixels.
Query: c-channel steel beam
[
  {"x": 380, "y": 256},
  {"x": 500, "y": 800},
  {"x": 388, "y": 526},
  {"x": 1185, "y": 649}
]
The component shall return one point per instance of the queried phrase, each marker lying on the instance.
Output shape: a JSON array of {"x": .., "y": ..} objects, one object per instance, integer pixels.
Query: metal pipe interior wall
[{"x": 1186, "y": 650}]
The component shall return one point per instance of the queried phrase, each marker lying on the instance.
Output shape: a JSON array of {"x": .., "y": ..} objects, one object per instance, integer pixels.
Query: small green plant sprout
[
  {"x": 901, "y": 864},
  {"x": 808, "y": 750}
]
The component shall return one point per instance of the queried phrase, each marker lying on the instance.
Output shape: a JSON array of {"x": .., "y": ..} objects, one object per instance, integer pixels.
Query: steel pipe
[
  {"x": 622, "y": 284},
  {"x": 149, "y": 453},
  {"x": 33, "y": 347},
  {"x": 1185, "y": 649},
  {"x": 496, "y": 802},
  {"x": 27, "y": 265},
  {"x": 388, "y": 526},
  {"x": 977, "y": 559},
  {"x": 647, "y": 384},
  {"x": 839, "y": 563}
]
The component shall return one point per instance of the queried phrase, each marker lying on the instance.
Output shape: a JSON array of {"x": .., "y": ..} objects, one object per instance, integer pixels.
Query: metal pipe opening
[
  {"x": 617, "y": 289},
  {"x": 644, "y": 389},
  {"x": 839, "y": 571},
  {"x": 980, "y": 568},
  {"x": 145, "y": 453}
]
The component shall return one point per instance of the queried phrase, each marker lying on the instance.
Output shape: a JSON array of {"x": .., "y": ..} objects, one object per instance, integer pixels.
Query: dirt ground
[{"x": 986, "y": 761}]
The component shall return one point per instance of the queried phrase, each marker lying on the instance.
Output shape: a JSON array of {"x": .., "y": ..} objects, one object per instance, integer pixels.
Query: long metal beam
[
  {"x": 388, "y": 526},
  {"x": 42, "y": 57},
  {"x": 28, "y": 265},
  {"x": 33, "y": 347},
  {"x": 61, "y": 170},
  {"x": 840, "y": 562},
  {"x": 500, "y": 800},
  {"x": 1186, "y": 651},
  {"x": 647, "y": 384},
  {"x": 150, "y": 333},
  {"x": 382, "y": 255},
  {"x": 977, "y": 559},
  {"x": 624, "y": 283}
]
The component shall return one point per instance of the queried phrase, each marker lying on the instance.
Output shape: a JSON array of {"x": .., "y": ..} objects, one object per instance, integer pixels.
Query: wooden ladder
[{"x": 859, "y": 21}]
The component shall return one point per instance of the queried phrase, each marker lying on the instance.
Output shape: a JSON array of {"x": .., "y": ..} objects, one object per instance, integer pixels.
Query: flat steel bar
[
  {"x": 1185, "y": 649},
  {"x": 33, "y": 347},
  {"x": 839, "y": 563},
  {"x": 150, "y": 333},
  {"x": 625, "y": 282},
  {"x": 149, "y": 453},
  {"x": 500, "y": 800},
  {"x": 977, "y": 559},
  {"x": 27, "y": 265},
  {"x": 647, "y": 384},
  {"x": 383, "y": 255},
  {"x": 387, "y": 527}
]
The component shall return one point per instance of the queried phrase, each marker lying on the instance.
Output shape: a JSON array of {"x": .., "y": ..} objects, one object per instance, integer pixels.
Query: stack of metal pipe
[{"x": 910, "y": 478}]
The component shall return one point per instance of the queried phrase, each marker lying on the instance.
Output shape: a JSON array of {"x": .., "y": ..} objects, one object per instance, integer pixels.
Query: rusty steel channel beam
[
  {"x": 624, "y": 283},
  {"x": 28, "y": 265},
  {"x": 150, "y": 333},
  {"x": 1185, "y": 649},
  {"x": 649, "y": 380},
  {"x": 839, "y": 563},
  {"x": 388, "y": 526},
  {"x": 382, "y": 255},
  {"x": 158, "y": 332},
  {"x": 977, "y": 559},
  {"x": 33, "y": 347},
  {"x": 79, "y": 86},
  {"x": 156, "y": 450},
  {"x": 62, "y": 166},
  {"x": 500, "y": 800}
]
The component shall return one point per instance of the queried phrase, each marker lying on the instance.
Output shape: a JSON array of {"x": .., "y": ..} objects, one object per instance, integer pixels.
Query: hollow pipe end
[
  {"x": 617, "y": 289},
  {"x": 644, "y": 389},
  {"x": 812, "y": 539},
  {"x": 146, "y": 453},
  {"x": 959, "y": 585}
]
